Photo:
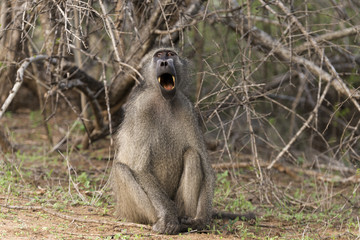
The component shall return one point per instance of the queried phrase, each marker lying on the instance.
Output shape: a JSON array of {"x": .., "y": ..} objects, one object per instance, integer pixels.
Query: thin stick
[
  {"x": 19, "y": 80},
  {"x": 328, "y": 37},
  {"x": 247, "y": 70},
  {"x": 340, "y": 85},
  {"x": 303, "y": 127},
  {"x": 273, "y": 46},
  {"x": 107, "y": 101},
  {"x": 109, "y": 30}
]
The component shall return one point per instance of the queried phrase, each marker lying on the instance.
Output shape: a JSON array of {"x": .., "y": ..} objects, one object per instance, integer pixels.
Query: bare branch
[
  {"x": 184, "y": 20},
  {"x": 328, "y": 37},
  {"x": 109, "y": 30},
  {"x": 19, "y": 80},
  {"x": 273, "y": 46},
  {"x": 338, "y": 83}
]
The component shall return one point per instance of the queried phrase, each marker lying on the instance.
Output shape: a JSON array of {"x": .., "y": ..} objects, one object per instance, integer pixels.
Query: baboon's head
[{"x": 166, "y": 71}]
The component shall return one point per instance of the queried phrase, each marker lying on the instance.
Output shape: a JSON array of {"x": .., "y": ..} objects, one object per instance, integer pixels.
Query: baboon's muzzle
[{"x": 166, "y": 76}]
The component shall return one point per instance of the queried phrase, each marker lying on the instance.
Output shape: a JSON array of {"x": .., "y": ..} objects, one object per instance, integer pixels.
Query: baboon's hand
[
  {"x": 192, "y": 223},
  {"x": 167, "y": 225}
]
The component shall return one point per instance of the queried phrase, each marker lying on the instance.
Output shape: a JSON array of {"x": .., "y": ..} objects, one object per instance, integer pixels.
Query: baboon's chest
[
  {"x": 168, "y": 145},
  {"x": 167, "y": 127}
]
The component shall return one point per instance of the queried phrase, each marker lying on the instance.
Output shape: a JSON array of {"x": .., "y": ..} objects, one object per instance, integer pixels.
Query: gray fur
[{"x": 161, "y": 173}]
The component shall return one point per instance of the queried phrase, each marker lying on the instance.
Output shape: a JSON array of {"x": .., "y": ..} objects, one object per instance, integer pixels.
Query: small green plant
[
  {"x": 59, "y": 206},
  {"x": 225, "y": 195},
  {"x": 8, "y": 114},
  {"x": 243, "y": 231},
  {"x": 224, "y": 184},
  {"x": 84, "y": 180},
  {"x": 105, "y": 210},
  {"x": 35, "y": 118},
  {"x": 79, "y": 126}
]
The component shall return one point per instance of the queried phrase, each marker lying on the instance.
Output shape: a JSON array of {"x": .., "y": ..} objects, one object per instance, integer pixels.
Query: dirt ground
[{"x": 63, "y": 195}]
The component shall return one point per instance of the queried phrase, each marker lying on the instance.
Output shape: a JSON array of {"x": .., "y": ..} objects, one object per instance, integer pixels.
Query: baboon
[{"x": 161, "y": 173}]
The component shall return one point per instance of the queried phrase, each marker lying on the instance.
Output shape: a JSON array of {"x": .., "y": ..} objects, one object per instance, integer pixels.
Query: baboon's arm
[
  {"x": 161, "y": 202},
  {"x": 168, "y": 221}
]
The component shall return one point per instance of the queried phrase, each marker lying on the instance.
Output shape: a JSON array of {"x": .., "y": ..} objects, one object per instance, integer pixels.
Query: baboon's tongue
[{"x": 168, "y": 86}]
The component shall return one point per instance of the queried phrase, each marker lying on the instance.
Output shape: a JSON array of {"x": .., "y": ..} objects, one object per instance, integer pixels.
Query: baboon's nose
[{"x": 163, "y": 64}]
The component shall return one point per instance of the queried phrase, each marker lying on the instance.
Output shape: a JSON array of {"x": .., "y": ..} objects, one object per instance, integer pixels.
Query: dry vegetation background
[{"x": 276, "y": 84}]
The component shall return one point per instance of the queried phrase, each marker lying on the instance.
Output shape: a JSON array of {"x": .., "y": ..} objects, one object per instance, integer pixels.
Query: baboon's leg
[
  {"x": 187, "y": 196},
  {"x": 140, "y": 199},
  {"x": 132, "y": 203}
]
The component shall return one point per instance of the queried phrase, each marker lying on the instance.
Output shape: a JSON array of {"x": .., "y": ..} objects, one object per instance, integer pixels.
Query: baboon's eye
[
  {"x": 171, "y": 54},
  {"x": 159, "y": 54}
]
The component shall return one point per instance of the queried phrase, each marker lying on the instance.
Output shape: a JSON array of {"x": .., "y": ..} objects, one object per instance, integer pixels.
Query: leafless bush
[{"x": 276, "y": 80}]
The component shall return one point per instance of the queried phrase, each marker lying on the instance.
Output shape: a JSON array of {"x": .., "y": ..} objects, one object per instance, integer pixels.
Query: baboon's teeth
[{"x": 167, "y": 81}]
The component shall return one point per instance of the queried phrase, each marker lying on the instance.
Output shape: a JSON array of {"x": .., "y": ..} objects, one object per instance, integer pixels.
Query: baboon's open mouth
[{"x": 167, "y": 81}]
